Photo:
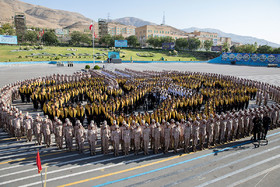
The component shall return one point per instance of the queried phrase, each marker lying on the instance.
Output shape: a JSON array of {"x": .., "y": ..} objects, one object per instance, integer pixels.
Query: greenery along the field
[{"x": 25, "y": 53}]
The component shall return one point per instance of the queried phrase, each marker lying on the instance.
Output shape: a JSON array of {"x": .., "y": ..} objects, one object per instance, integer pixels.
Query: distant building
[
  {"x": 146, "y": 31},
  {"x": 223, "y": 40},
  {"x": 204, "y": 36},
  {"x": 114, "y": 29}
]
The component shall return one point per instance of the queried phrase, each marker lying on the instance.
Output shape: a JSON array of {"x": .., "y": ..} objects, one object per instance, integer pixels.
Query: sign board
[
  {"x": 168, "y": 46},
  {"x": 216, "y": 48},
  {"x": 120, "y": 43},
  {"x": 246, "y": 57},
  {"x": 113, "y": 55},
  {"x": 7, "y": 39}
]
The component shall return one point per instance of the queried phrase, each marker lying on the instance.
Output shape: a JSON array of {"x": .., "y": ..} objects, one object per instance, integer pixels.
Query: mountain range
[
  {"x": 43, "y": 17},
  {"x": 234, "y": 37}
]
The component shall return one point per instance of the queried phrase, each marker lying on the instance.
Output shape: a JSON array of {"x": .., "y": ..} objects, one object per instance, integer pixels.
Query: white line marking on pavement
[
  {"x": 92, "y": 170},
  {"x": 63, "y": 169},
  {"x": 47, "y": 160},
  {"x": 238, "y": 171},
  {"x": 59, "y": 164},
  {"x": 21, "y": 154},
  {"x": 220, "y": 167},
  {"x": 254, "y": 176}
]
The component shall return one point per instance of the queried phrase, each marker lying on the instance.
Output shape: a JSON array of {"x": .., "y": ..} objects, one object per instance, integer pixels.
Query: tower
[
  {"x": 20, "y": 25},
  {"x": 163, "y": 19}
]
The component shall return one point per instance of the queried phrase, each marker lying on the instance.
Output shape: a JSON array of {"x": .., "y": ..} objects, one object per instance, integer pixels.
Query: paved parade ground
[{"x": 237, "y": 163}]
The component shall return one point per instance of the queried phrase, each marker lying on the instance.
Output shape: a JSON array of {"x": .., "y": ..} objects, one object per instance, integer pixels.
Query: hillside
[
  {"x": 133, "y": 21},
  {"x": 40, "y": 16},
  {"x": 235, "y": 37}
]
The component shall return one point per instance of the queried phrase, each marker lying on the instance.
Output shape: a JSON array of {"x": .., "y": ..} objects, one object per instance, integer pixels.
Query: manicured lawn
[{"x": 6, "y": 54}]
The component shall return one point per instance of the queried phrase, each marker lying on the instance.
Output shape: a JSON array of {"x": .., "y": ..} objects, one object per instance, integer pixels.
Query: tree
[
  {"x": 264, "y": 49},
  {"x": 225, "y": 47},
  {"x": 117, "y": 37},
  {"x": 106, "y": 40},
  {"x": 208, "y": 44},
  {"x": 276, "y": 51},
  {"x": 7, "y": 29},
  {"x": 30, "y": 36},
  {"x": 247, "y": 48},
  {"x": 193, "y": 44},
  {"x": 182, "y": 43},
  {"x": 158, "y": 41},
  {"x": 132, "y": 41},
  {"x": 78, "y": 38},
  {"x": 49, "y": 38}
]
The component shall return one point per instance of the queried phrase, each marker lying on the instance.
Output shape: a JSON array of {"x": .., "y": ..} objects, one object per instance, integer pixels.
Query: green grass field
[{"x": 7, "y": 55}]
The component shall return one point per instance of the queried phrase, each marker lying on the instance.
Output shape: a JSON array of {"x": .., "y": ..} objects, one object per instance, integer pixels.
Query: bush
[
  {"x": 96, "y": 67},
  {"x": 87, "y": 67},
  {"x": 56, "y": 58},
  {"x": 20, "y": 57},
  {"x": 98, "y": 57}
]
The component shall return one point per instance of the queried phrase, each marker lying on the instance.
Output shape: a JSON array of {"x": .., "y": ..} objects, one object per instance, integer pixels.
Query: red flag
[
  {"x": 38, "y": 161},
  {"x": 95, "y": 35},
  {"x": 90, "y": 27}
]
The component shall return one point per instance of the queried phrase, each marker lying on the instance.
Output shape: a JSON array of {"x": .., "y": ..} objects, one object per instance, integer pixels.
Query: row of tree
[
  {"x": 254, "y": 48},
  {"x": 85, "y": 39}
]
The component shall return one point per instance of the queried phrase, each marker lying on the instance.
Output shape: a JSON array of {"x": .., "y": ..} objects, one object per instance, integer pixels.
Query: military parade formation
[{"x": 132, "y": 111}]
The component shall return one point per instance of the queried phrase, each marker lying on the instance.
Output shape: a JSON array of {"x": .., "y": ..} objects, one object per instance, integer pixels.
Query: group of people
[{"x": 198, "y": 110}]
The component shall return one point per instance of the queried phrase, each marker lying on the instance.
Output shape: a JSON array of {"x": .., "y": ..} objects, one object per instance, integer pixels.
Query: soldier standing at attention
[{"x": 146, "y": 138}]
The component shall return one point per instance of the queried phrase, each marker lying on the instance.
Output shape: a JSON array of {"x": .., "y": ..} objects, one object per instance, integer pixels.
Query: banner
[
  {"x": 168, "y": 46},
  {"x": 113, "y": 55},
  {"x": 7, "y": 39},
  {"x": 216, "y": 48},
  {"x": 246, "y": 57},
  {"x": 120, "y": 43}
]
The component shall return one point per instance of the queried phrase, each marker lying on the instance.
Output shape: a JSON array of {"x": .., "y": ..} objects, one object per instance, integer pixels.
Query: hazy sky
[{"x": 258, "y": 18}]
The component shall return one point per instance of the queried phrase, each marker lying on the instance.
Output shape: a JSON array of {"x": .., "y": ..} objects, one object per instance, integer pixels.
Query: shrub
[
  {"x": 87, "y": 67},
  {"x": 20, "y": 57},
  {"x": 56, "y": 58},
  {"x": 99, "y": 57},
  {"x": 96, "y": 67}
]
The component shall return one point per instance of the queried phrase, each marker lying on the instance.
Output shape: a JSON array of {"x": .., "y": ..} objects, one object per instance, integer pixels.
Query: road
[{"x": 234, "y": 164}]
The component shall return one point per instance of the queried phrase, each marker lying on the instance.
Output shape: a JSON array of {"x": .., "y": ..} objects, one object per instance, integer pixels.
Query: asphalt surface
[{"x": 237, "y": 163}]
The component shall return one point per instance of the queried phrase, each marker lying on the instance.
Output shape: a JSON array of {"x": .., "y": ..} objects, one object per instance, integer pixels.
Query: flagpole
[
  {"x": 93, "y": 43},
  {"x": 42, "y": 180}
]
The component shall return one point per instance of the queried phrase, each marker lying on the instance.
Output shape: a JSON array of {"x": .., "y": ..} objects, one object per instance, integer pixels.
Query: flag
[
  {"x": 90, "y": 27},
  {"x": 38, "y": 161},
  {"x": 95, "y": 36}
]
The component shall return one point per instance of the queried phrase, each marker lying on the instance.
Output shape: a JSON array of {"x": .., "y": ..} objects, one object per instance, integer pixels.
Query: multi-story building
[
  {"x": 203, "y": 36},
  {"x": 114, "y": 29},
  {"x": 146, "y": 31},
  {"x": 223, "y": 40}
]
